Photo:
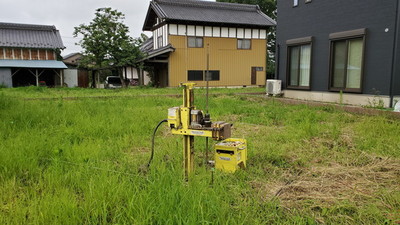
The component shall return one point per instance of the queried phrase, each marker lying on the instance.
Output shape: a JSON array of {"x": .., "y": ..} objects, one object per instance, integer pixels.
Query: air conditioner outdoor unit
[{"x": 274, "y": 87}]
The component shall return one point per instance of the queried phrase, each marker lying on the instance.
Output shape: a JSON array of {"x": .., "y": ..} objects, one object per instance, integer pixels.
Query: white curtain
[
  {"x": 354, "y": 63},
  {"x": 305, "y": 63}
]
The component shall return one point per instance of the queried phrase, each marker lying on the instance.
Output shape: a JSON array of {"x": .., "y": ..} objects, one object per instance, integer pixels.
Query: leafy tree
[
  {"x": 269, "y": 8},
  {"x": 106, "y": 43}
]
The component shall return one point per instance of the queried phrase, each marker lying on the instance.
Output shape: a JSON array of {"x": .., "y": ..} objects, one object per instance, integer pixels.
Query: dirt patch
[{"x": 329, "y": 184}]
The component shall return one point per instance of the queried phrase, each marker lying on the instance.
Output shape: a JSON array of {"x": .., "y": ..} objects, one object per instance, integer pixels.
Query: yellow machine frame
[{"x": 184, "y": 120}]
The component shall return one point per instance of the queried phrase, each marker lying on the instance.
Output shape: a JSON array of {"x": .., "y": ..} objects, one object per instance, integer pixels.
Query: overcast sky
[{"x": 66, "y": 14}]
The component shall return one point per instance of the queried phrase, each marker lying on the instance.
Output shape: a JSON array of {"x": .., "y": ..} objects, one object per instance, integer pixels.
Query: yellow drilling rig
[{"x": 229, "y": 154}]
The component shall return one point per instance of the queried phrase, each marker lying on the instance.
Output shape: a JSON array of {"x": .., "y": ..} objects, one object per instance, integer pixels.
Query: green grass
[
  {"x": 33, "y": 92},
  {"x": 78, "y": 162}
]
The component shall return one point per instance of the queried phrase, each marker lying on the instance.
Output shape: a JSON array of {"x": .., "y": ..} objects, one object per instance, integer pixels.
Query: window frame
[
  {"x": 295, "y": 3},
  {"x": 298, "y": 43},
  {"x": 195, "y": 37},
  {"x": 202, "y": 75},
  {"x": 212, "y": 72},
  {"x": 346, "y": 36},
  {"x": 243, "y": 39}
]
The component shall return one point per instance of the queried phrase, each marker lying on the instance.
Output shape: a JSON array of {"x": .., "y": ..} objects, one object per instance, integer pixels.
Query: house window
[
  {"x": 299, "y": 66},
  {"x": 160, "y": 41},
  {"x": 195, "y": 42},
  {"x": 195, "y": 75},
  {"x": 347, "y": 64},
  {"x": 244, "y": 44},
  {"x": 295, "y": 3},
  {"x": 200, "y": 75},
  {"x": 307, "y": 1},
  {"x": 213, "y": 75}
]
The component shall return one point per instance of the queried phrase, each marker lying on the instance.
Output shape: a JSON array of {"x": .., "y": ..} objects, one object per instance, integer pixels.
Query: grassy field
[{"x": 78, "y": 161}]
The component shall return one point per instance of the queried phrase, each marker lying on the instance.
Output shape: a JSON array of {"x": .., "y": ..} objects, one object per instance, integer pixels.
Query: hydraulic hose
[{"x": 152, "y": 142}]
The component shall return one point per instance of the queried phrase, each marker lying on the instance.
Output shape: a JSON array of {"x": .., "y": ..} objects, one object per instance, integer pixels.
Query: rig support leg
[{"x": 188, "y": 149}]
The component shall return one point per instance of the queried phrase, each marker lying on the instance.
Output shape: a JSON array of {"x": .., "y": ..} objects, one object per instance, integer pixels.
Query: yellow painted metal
[
  {"x": 188, "y": 96},
  {"x": 234, "y": 64},
  {"x": 179, "y": 119},
  {"x": 230, "y": 154},
  {"x": 188, "y": 141},
  {"x": 188, "y": 151},
  {"x": 174, "y": 119},
  {"x": 192, "y": 132}
]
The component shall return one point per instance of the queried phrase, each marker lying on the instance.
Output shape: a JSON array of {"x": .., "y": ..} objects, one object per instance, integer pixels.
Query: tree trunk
[
  {"x": 93, "y": 78},
  {"x": 121, "y": 76}
]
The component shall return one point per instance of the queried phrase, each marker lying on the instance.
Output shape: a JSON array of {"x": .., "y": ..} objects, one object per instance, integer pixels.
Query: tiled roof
[
  {"x": 149, "y": 52},
  {"x": 206, "y": 12},
  {"x": 147, "y": 46},
  {"x": 29, "y": 36}
]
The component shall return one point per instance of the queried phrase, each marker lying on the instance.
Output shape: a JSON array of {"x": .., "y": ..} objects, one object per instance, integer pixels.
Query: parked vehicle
[{"x": 112, "y": 82}]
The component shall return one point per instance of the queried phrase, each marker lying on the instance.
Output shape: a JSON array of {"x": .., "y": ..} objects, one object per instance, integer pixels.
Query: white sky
[{"x": 66, "y": 14}]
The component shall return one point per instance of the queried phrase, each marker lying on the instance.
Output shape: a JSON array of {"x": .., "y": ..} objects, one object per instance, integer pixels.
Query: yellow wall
[{"x": 234, "y": 65}]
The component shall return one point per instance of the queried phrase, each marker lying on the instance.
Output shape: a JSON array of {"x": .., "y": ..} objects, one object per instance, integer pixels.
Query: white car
[{"x": 112, "y": 82}]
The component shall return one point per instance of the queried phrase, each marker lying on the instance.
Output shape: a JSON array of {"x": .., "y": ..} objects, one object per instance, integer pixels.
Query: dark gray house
[
  {"x": 28, "y": 55},
  {"x": 326, "y": 48}
]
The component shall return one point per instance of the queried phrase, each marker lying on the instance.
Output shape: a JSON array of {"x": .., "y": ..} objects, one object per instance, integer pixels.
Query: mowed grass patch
[{"x": 79, "y": 161}]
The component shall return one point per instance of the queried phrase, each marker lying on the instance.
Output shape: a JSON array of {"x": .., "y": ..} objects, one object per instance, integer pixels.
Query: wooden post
[
  {"x": 62, "y": 77},
  {"x": 37, "y": 77}
]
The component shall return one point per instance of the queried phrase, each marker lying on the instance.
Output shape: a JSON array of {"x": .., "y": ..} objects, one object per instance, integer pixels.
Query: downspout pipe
[
  {"x": 277, "y": 59},
  {"x": 395, "y": 55}
]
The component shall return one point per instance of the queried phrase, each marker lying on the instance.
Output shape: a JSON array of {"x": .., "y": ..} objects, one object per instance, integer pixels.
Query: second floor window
[
  {"x": 295, "y": 2},
  {"x": 244, "y": 44},
  {"x": 160, "y": 41},
  {"x": 195, "y": 42}
]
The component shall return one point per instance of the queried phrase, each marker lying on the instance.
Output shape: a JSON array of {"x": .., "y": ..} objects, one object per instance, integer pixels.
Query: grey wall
[
  {"x": 320, "y": 18},
  {"x": 5, "y": 77}
]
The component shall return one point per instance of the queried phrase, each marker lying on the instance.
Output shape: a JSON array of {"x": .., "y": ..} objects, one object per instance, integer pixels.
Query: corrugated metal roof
[
  {"x": 29, "y": 36},
  {"x": 43, "y": 64},
  {"x": 208, "y": 12}
]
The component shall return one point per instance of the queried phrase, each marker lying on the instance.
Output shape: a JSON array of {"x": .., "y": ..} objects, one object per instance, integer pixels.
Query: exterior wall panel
[
  {"x": 27, "y": 54},
  {"x": 234, "y": 65},
  {"x": 321, "y": 18},
  {"x": 5, "y": 77}
]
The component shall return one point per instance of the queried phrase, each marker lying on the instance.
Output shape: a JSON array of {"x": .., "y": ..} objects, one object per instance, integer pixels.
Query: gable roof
[
  {"x": 206, "y": 13},
  {"x": 29, "y": 36},
  {"x": 72, "y": 55}
]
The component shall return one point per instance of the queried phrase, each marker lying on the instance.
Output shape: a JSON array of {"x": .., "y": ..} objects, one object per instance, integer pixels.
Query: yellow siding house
[{"x": 194, "y": 40}]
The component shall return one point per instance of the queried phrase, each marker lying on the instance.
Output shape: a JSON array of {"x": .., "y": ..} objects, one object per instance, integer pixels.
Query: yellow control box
[
  {"x": 174, "y": 119},
  {"x": 230, "y": 154}
]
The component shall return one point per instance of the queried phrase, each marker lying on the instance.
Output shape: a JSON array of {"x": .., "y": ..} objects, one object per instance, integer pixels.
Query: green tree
[
  {"x": 269, "y": 8},
  {"x": 106, "y": 42}
]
